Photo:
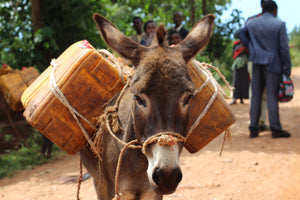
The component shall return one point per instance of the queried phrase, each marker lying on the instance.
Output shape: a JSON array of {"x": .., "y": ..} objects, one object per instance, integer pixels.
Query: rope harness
[{"x": 111, "y": 115}]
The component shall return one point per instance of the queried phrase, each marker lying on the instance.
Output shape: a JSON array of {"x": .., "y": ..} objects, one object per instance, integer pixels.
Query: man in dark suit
[
  {"x": 267, "y": 41},
  {"x": 263, "y": 115}
]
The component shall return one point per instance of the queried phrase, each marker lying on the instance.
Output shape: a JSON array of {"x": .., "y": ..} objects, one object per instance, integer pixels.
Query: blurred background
[{"x": 32, "y": 32}]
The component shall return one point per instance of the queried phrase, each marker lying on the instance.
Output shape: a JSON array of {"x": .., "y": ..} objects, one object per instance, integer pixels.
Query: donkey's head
[{"x": 161, "y": 90}]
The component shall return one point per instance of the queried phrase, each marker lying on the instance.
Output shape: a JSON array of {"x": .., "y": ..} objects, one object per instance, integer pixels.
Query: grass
[{"x": 26, "y": 158}]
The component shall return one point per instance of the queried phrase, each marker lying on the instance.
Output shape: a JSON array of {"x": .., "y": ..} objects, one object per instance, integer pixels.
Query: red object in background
[
  {"x": 87, "y": 44},
  {"x": 239, "y": 49},
  {"x": 4, "y": 69}
]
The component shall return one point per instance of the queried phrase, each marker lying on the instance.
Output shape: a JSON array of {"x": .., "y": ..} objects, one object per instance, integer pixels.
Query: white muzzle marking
[{"x": 164, "y": 157}]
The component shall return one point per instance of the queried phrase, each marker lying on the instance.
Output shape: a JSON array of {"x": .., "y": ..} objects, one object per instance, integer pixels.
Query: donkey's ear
[
  {"x": 197, "y": 38},
  {"x": 117, "y": 40}
]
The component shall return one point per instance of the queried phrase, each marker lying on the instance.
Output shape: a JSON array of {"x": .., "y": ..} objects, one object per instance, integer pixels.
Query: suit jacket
[{"x": 266, "y": 38}]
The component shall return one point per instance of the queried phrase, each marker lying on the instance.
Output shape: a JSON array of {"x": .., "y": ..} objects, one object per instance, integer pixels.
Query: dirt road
[{"x": 261, "y": 168}]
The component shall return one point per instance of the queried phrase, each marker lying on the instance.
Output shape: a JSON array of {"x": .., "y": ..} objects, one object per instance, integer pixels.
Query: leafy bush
[{"x": 295, "y": 49}]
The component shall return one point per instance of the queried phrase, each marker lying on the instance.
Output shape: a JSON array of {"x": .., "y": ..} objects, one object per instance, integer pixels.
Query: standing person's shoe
[
  {"x": 253, "y": 133},
  {"x": 280, "y": 134}
]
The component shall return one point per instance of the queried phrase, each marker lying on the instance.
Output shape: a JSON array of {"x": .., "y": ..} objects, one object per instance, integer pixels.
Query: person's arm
[
  {"x": 243, "y": 35},
  {"x": 285, "y": 50}
]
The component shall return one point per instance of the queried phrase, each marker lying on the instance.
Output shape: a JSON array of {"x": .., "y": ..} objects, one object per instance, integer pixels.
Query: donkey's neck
[
  {"x": 129, "y": 133},
  {"x": 125, "y": 117}
]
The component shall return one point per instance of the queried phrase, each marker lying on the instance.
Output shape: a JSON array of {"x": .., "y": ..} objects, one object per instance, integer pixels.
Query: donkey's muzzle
[{"x": 166, "y": 180}]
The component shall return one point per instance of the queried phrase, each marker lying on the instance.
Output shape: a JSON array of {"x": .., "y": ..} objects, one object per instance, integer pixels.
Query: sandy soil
[{"x": 262, "y": 168}]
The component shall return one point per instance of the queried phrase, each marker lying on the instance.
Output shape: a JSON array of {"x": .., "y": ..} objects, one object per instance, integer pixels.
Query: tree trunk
[
  {"x": 35, "y": 15},
  {"x": 204, "y": 7},
  {"x": 193, "y": 10}
]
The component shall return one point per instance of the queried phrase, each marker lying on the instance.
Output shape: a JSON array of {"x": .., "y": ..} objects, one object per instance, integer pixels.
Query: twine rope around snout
[{"x": 163, "y": 139}]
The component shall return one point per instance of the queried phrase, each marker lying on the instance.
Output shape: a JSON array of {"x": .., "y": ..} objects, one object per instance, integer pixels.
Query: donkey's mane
[{"x": 161, "y": 34}]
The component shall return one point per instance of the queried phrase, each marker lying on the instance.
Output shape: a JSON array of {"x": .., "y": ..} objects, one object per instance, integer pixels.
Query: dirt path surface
[{"x": 261, "y": 168}]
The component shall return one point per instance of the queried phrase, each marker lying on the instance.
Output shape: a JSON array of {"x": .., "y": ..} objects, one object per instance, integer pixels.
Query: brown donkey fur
[{"x": 157, "y": 100}]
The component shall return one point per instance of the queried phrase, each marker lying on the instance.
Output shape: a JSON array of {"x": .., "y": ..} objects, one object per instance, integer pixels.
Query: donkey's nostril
[
  {"x": 155, "y": 176},
  {"x": 179, "y": 175},
  {"x": 162, "y": 177}
]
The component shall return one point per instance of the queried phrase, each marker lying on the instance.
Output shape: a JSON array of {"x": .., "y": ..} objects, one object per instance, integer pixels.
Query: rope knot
[
  {"x": 110, "y": 117},
  {"x": 112, "y": 109},
  {"x": 167, "y": 140}
]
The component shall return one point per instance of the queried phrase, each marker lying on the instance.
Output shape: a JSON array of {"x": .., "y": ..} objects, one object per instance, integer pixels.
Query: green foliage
[
  {"x": 25, "y": 158},
  {"x": 66, "y": 22},
  {"x": 295, "y": 48},
  {"x": 121, "y": 12},
  {"x": 63, "y": 23},
  {"x": 9, "y": 138},
  {"x": 15, "y": 34},
  {"x": 219, "y": 49}
]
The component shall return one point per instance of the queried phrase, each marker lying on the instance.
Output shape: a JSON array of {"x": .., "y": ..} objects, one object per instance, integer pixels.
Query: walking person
[{"x": 267, "y": 40}]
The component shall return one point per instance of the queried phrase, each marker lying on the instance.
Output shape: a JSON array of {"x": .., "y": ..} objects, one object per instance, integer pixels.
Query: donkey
[{"x": 156, "y": 101}]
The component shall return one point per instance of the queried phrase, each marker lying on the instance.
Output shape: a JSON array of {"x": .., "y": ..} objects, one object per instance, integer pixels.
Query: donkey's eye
[
  {"x": 139, "y": 100},
  {"x": 187, "y": 99}
]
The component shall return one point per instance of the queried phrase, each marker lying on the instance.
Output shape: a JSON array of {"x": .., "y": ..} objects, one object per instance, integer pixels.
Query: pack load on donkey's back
[
  {"x": 13, "y": 82},
  {"x": 63, "y": 103}
]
